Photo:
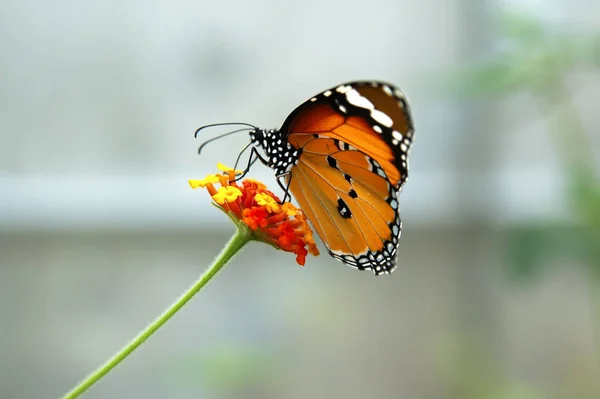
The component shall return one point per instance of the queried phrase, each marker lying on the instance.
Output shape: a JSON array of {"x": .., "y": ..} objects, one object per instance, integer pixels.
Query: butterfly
[{"x": 343, "y": 155}]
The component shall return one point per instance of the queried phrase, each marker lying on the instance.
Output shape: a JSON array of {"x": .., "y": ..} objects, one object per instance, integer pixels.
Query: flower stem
[{"x": 241, "y": 237}]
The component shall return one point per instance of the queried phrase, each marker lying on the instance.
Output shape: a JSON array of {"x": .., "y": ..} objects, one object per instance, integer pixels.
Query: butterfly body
[{"x": 279, "y": 154}]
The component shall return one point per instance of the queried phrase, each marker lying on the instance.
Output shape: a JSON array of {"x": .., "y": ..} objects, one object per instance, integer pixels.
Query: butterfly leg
[
  {"x": 237, "y": 160},
  {"x": 254, "y": 156},
  {"x": 285, "y": 187}
]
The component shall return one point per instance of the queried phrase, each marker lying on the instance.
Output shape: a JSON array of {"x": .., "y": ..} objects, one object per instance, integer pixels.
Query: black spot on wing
[
  {"x": 331, "y": 161},
  {"x": 343, "y": 209}
]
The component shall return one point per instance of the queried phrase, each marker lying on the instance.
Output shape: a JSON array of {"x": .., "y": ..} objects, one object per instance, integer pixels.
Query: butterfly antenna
[
  {"x": 223, "y": 124},
  {"x": 221, "y": 136}
]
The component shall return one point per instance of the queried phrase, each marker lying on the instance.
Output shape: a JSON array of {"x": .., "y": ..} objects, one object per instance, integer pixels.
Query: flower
[{"x": 282, "y": 225}]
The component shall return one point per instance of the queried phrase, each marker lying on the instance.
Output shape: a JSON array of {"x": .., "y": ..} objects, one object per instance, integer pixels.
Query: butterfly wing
[{"x": 354, "y": 140}]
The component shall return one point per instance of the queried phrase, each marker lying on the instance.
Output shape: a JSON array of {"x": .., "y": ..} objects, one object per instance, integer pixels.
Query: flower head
[{"x": 282, "y": 225}]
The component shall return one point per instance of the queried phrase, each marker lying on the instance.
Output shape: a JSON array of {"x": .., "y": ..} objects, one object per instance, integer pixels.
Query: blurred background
[{"x": 497, "y": 294}]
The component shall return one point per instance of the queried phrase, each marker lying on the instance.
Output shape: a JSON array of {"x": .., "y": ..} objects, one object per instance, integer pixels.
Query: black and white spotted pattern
[{"x": 280, "y": 154}]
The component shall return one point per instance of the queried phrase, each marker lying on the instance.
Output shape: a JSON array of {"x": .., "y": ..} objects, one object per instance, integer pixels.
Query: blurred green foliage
[
  {"x": 536, "y": 59},
  {"x": 530, "y": 57},
  {"x": 478, "y": 375}
]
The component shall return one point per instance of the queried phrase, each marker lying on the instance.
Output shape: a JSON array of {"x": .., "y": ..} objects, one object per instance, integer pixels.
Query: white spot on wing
[
  {"x": 397, "y": 135},
  {"x": 388, "y": 90},
  {"x": 327, "y": 93},
  {"x": 357, "y": 100},
  {"x": 377, "y": 129},
  {"x": 381, "y": 118}
]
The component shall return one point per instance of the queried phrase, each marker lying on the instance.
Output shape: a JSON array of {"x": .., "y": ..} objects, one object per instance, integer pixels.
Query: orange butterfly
[{"x": 343, "y": 154}]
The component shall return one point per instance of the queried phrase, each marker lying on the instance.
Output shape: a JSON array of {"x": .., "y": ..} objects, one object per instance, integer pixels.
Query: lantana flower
[{"x": 252, "y": 206}]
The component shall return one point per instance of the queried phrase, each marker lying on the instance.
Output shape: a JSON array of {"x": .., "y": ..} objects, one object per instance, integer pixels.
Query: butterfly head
[
  {"x": 257, "y": 136},
  {"x": 278, "y": 153}
]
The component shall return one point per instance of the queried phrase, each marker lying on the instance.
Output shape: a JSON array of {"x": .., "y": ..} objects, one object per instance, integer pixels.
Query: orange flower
[{"x": 282, "y": 225}]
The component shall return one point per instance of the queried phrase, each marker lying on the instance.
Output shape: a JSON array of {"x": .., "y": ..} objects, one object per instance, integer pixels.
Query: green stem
[{"x": 241, "y": 237}]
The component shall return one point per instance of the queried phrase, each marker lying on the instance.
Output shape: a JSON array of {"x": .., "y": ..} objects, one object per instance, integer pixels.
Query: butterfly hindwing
[{"x": 348, "y": 204}]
